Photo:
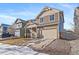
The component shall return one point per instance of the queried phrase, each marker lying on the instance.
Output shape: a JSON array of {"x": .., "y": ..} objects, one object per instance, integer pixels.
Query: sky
[{"x": 9, "y": 12}]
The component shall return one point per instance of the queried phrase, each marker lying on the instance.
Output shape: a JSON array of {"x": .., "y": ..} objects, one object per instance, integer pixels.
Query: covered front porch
[{"x": 32, "y": 31}]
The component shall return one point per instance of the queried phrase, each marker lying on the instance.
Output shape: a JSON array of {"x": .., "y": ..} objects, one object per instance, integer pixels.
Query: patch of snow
[{"x": 6, "y": 49}]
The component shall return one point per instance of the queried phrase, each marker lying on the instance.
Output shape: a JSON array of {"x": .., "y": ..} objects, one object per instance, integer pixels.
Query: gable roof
[
  {"x": 32, "y": 25},
  {"x": 23, "y": 21},
  {"x": 19, "y": 19},
  {"x": 46, "y": 9}
]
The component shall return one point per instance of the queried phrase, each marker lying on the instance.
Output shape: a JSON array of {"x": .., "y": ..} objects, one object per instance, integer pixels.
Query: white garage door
[
  {"x": 17, "y": 33},
  {"x": 52, "y": 33}
]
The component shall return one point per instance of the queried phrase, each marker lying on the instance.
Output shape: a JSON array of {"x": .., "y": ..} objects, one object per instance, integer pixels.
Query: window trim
[
  {"x": 42, "y": 18},
  {"x": 19, "y": 25},
  {"x": 53, "y": 18}
]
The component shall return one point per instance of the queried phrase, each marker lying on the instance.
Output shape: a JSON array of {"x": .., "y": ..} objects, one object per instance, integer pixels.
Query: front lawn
[{"x": 18, "y": 41}]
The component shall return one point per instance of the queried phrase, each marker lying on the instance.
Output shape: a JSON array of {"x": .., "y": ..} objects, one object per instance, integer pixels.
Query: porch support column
[
  {"x": 41, "y": 32},
  {"x": 31, "y": 32},
  {"x": 36, "y": 31},
  {"x": 25, "y": 31}
]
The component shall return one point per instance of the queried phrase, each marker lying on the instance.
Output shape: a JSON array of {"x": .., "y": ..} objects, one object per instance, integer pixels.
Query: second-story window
[
  {"x": 41, "y": 20},
  {"x": 19, "y": 25},
  {"x": 51, "y": 18}
]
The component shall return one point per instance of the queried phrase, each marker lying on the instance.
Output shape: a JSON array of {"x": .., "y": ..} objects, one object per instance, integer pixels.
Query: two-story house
[
  {"x": 3, "y": 30},
  {"x": 18, "y": 28},
  {"x": 48, "y": 24}
]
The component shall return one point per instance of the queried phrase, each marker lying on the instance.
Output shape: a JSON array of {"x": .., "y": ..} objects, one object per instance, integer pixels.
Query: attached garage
[
  {"x": 50, "y": 33},
  {"x": 17, "y": 33}
]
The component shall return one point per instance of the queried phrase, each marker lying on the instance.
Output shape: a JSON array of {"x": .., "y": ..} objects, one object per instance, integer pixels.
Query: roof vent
[{"x": 46, "y": 8}]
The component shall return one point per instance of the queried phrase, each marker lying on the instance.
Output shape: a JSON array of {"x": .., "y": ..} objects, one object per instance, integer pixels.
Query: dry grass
[{"x": 18, "y": 41}]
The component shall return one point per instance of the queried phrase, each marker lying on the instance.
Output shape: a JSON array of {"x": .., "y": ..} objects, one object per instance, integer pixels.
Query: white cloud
[
  {"x": 7, "y": 19},
  {"x": 23, "y": 14},
  {"x": 66, "y": 5},
  {"x": 9, "y": 16},
  {"x": 5, "y": 16},
  {"x": 17, "y": 12},
  {"x": 69, "y": 5}
]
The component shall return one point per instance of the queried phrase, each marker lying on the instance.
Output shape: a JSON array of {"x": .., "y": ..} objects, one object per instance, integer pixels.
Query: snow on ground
[{"x": 6, "y": 49}]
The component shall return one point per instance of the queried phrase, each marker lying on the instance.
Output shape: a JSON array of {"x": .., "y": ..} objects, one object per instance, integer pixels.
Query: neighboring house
[
  {"x": 76, "y": 20},
  {"x": 48, "y": 24},
  {"x": 3, "y": 30},
  {"x": 18, "y": 28},
  {"x": 11, "y": 30}
]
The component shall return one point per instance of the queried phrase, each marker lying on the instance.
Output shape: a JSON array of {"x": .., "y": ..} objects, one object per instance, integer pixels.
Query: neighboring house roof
[
  {"x": 32, "y": 25},
  {"x": 5, "y": 25},
  {"x": 31, "y": 20},
  {"x": 23, "y": 21},
  {"x": 19, "y": 19}
]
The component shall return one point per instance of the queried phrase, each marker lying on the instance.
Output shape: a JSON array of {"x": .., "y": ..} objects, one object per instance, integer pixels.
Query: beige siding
[
  {"x": 46, "y": 17},
  {"x": 56, "y": 17},
  {"x": 50, "y": 27}
]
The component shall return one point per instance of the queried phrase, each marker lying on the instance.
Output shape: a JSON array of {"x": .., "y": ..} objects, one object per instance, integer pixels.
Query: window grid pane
[
  {"x": 51, "y": 18},
  {"x": 41, "y": 20}
]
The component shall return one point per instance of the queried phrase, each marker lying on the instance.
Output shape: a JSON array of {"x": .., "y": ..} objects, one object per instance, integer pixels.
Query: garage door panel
[
  {"x": 52, "y": 33},
  {"x": 17, "y": 33}
]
